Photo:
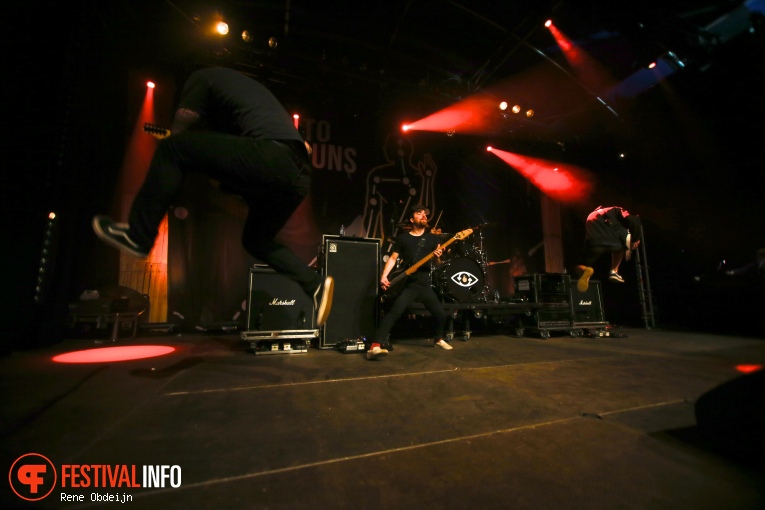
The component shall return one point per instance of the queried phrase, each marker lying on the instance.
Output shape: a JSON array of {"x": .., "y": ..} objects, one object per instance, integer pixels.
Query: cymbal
[{"x": 483, "y": 225}]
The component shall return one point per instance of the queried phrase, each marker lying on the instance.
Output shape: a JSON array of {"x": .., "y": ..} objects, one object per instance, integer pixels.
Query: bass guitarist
[{"x": 412, "y": 246}]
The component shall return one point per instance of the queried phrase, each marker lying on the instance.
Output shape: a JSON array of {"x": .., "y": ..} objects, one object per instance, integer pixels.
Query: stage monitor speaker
[
  {"x": 588, "y": 305},
  {"x": 543, "y": 287},
  {"x": 277, "y": 303},
  {"x": 354, "y": 263}
]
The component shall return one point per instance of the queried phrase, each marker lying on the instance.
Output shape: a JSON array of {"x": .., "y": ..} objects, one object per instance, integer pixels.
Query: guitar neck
[{"x": 416, "y": 266}]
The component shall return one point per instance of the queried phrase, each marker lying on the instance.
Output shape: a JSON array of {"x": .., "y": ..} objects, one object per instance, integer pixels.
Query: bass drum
[{"x": 460, "y": 280}]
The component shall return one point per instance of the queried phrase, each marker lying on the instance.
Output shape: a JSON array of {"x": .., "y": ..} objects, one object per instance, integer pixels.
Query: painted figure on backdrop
[
  {"x": 391, "y": 189},
  {"x": 608, "y": 230},
  {"x": 232, "y": 129}
]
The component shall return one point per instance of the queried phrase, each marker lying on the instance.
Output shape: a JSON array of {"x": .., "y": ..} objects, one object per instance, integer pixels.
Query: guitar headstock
[
  {"x": 156, "y": 131},
  {"x": 463, "y": 234}
]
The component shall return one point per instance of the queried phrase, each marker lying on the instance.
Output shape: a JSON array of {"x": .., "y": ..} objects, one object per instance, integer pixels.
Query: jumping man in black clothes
[
  {"x": 608, "y": 230},
  {"x": 234, "y": 130},
  {"x": 412, "y": 246}
]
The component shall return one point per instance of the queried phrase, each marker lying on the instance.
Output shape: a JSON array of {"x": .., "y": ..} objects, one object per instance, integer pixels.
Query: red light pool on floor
[{"x": 114, "y": 354}]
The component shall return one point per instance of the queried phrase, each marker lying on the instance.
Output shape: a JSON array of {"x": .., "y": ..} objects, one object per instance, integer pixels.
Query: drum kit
[{"x": 462, "y": 275}]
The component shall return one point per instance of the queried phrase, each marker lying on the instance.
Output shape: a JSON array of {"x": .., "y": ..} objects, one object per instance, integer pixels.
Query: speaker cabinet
[
  {"x": 588, "y": 305},
  {"x": 354, "y": 263},
  {"x": 277, "y": 303},
  {"x": 543, "y": 288}
]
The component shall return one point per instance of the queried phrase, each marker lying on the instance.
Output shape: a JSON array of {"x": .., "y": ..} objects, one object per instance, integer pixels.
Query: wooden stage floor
[{"x": 499, "y": 422}]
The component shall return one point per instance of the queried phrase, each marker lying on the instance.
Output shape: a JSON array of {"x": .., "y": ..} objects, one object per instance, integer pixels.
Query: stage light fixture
[
  {"x": 529, "y": 113},
  {"x": 503, "y": 105},
  {"x": 150, "y": 84},
  {"x": 272, "y": 42},
  {"x": 221, "y": 27},
  {"x": 651, "y": 65},
  {"x": 405, "y": 127},
  {"x": 548, "y": 23},
  {"x": 489, "y": 148},
  {"x": 516, "y": 109},
  {"x": 246, "y": 36}
]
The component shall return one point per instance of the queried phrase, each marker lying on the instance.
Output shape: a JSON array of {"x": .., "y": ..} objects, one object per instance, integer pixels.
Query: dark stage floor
[{"x": 499, "y": 422}]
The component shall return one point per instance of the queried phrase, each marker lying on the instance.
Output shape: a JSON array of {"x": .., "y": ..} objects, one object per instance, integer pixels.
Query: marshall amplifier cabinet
[
  {"x": 354, "y": 263},
  {"x": 280, "y": 315},
  {"x": 588, "y": 306}
]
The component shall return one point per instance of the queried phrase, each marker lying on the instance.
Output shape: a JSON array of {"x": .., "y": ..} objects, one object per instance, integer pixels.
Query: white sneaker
[
  {"x": 615, "y": 277},
  {"x": 322, "y": 300},
  {"x": 118, "y": 236},
  {"x": 376, "y": 352},
  {"x": 442, "y": 344}
]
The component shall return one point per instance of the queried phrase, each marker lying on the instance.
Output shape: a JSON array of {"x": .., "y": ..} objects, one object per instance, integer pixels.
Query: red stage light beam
[
  {"x": 469, "y": 116},
  {"x": 592, "y": 74},
  {"x": 560, "y": 181}
]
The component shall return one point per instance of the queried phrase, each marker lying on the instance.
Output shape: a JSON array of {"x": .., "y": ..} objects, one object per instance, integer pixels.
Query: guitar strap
[
  {"x": 417, "y": 256},
  {"x": 420, "y": 246}
]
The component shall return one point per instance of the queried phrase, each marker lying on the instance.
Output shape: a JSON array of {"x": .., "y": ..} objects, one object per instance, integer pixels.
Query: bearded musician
[{"x": 412, "y": 245}]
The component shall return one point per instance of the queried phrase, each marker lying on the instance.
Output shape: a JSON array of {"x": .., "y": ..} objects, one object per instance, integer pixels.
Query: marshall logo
[
  {"x": 585, "y": 303},
  {"x": 282, "y": 302}
]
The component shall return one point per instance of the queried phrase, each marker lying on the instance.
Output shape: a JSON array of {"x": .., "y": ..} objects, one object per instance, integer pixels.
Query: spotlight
[
  {"x": 221, "y": 27},
  {"x": 516, "y": 109},
  {"x": 296, "y": 120},
  {"x": 529, "y": 113},
  {"x": 272, "y": 42},
  {"x": 246, "y": 36},
  {"x": 548, "y": 23},
  {"x": 405, "y": 127},
  {"x": 150, "y": 84},
  {"x": 503, "y": 105},
  {"x": 489, "y": 148},
  {"x": 651, "y": 65}
]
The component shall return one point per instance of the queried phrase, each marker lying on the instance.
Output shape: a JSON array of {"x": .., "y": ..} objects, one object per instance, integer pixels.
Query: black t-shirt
[
  {"x": 608, "y": 227},
  {"x": 411, "y": 249},
  {"x": 230, "y": 102}
]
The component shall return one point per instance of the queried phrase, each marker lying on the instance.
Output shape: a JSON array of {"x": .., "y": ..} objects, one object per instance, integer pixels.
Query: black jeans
[
  {"x": 273, "y": 177},
  {"x": 413, "y": 291}
]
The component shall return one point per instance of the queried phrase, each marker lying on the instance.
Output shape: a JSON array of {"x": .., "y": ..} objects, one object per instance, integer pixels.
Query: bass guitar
[{"x": 397, "y": 283}]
